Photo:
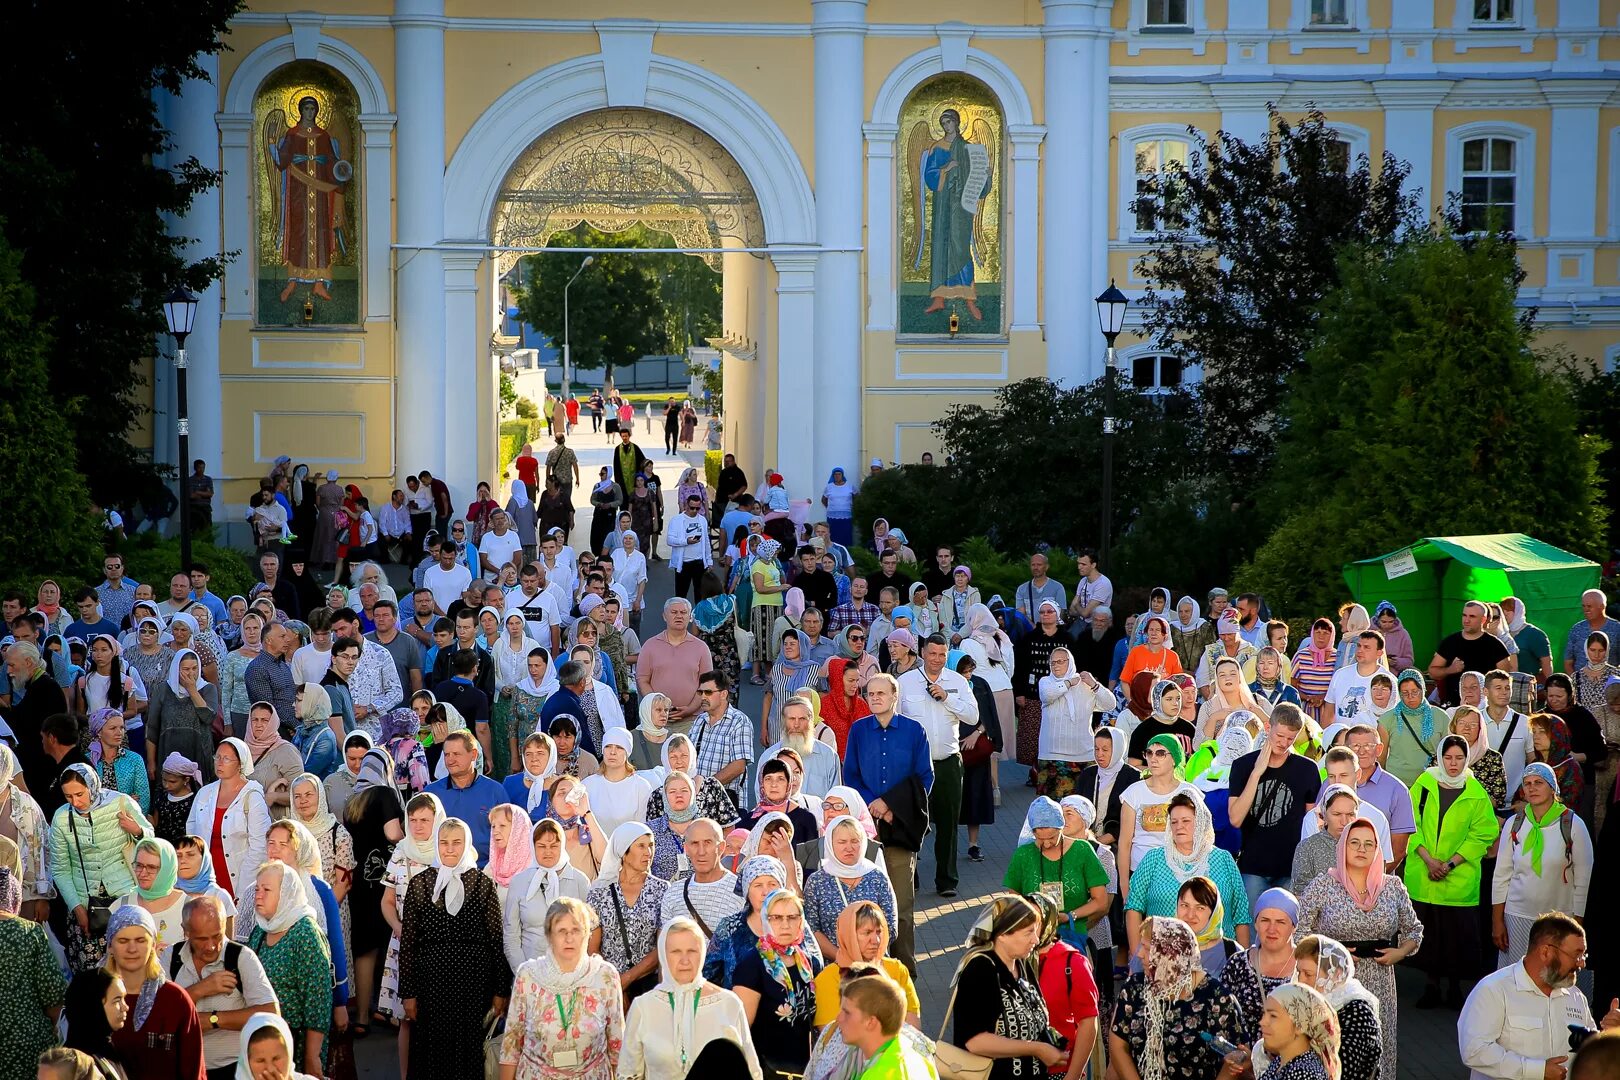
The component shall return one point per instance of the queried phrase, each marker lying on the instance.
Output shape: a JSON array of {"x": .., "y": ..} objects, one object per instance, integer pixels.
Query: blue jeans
[{"x": 1255, "y": 884}]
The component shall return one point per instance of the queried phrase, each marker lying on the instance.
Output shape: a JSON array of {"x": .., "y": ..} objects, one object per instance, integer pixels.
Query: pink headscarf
[
  {"x": 793, "y": 603},
  {"x": 1375, "y": 871},
  {"x": 518, "y": 855}
]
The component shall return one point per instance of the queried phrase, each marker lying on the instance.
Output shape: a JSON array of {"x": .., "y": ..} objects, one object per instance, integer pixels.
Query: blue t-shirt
[{"x": 85, "y": 631}]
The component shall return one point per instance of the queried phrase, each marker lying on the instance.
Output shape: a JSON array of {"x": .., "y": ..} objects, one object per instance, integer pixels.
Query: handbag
[
  {"x": 494, "y": 1035},
  {"x": 951, "y": 1061},
  {"x": 97, "y": 907},
  {"x": 979, "y": 753},
  {"x": 745, "y": 643}
]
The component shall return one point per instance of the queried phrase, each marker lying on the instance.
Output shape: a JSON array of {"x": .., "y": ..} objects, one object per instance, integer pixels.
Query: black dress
[
  {"x": 978, "y": 793},
  {"x": 453, "y": 965},
  {"x": 170, "y": 816},
  {"x": 365, "y": 816},
  {"x": 1360, "y": 1045},
  {"x": 989, "y": 998},
  {"x": 784, "y": 1023}
]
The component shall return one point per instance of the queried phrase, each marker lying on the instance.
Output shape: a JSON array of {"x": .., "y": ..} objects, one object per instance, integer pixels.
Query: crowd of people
[{"x": 493, "y": 821}]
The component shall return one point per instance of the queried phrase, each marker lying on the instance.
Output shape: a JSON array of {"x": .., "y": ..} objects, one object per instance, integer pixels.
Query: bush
[
  {"x": 526, "y": 409},
  {"x": 994, "y": 574},
  {"x": 711, "y": 468},
  {"x": 152, "y": 561}
]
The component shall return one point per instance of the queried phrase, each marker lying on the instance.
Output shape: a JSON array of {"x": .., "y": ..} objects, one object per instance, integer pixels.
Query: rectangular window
[
  {"x": 1330, "y": 13},
  {"x": 1495, "y": 12},
  {"x": 1489, "y": 184},
  {"x": 1157, "y": 156},
  {"x": 1339, "y": 156},
  {"x": 1166, "y": 13}
]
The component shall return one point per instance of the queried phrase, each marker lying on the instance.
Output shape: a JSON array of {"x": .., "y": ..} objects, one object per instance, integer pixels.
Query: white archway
[
  {"x": 1023, "y": 138},
  {"x": 563, "y": 91},
  {"x": 306, "y": 42}
]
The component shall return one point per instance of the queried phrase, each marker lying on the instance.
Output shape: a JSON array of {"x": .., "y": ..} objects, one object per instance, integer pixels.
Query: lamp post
[
  {"x": 180, "y": 312},
  {"x": 565, "y": 371},
  {"x": 1110, "y": 319}
]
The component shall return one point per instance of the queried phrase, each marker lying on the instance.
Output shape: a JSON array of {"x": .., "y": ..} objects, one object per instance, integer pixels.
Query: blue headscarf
[
  {"x": 838, "y": 470},
  {"x": 194, "y": 886}
]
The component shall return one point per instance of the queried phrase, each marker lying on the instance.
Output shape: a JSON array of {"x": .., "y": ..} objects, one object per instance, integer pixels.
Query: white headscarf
[
  {"x": 857, "y": 807},
  {"x": 545, "y": 878},
  {"x": 829, "y": 857},
  {"x": 1516, "y": 623},
  {"x": 1196, "y": 864},
  {"x": 174, "y": 672},
  {"x": 255, "y": 1024},
  {"x": 663, "y": 753},
  {"x": 537, "y": 784},
  {"x": 617, "y": 736},
  {"x": 682, "y": 997},
  {"x": 548, "y": 684},
  {"x": 619, "y": 843},
  {"x": 1106, "y": 778},
  {"x": 519, "y": 493},
  {"x": 292, "y": 902},
  {"x": 422, "y": 852},
  {"x": 1234, "y": 743},
  {"x": 1336, "y": 976},
  {"x": 447, "y": 879},
  {"x": 646, "y": 727}
]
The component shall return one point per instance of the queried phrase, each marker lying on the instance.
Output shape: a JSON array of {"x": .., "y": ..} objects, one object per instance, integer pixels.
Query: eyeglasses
[
  {"x": 148, "y": 629},
  {"x": 1156, "y": 752}
]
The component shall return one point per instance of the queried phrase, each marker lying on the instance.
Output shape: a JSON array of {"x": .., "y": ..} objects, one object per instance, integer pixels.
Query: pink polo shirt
[{"x": 673, "y": 670}]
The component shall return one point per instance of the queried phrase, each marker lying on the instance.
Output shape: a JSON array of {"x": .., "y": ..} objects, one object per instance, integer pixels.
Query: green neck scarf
[{"x": 1534, "y": 844}]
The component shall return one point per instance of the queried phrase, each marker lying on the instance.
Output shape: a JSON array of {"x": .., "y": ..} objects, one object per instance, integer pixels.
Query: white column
[
  {"x": 880, "y": 284},
  {"x": 191, "y": 121},
  {"x": 1024, "y": 223},
  {"x": 377, "y": 147},
  {"x": 1576, "y": 144},
  {"x": 421, "y": 418},
  {"x": 1409, "y": 131},
  {"x": 1068, "y": 230},
  {"x": 839, "y": 29},
  {"x": 795, "y": 356},
  {"x": 463, "y": 349}
]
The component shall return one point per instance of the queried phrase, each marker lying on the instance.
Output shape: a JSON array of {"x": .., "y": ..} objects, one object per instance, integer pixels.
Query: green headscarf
[
  {"x": 168, "y": 868},
  {"x": 1172, "y": 744}
]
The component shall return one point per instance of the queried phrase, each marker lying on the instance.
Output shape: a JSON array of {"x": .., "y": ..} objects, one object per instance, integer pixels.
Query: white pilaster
[
  {"x": 880, "y": 259},
  {"x": 423, "y": 414},
  {"x": 463, "y": 349},
  {"x": 1576, "y": 144},
  {"x": 376, "y": 149},
  {"x": 1025, "y": 158},
  {"x": 839, "y": 30},
  {"x": 1243, "y": 108},
  {"x": 1072, "y": 241},
  {"x": 1409, "y": 131},
  {"x": 795, "y": 358}
]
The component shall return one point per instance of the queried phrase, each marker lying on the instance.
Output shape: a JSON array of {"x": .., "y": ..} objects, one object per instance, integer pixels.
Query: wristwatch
[{"x": 213, "y": 1021}]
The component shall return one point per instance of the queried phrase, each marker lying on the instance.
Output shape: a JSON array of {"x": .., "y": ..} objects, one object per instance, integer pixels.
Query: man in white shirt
[
  {"x": 1093, "y": 591},
  {"x": 500, "y": 546},
  {"x": 709, "y": 892},
  {"x": 394, "y": 522},
  {"x": 311, "y": 662},
  {"x": 822, "y": 769},
  {"x": 225, "y": 982},
  {"x": 688, "y": 537},
  {"x": 1350, "y": 692},
  {"x": 538, "y": 607},
  {"x": 939, "y": 699},
  {"x": 1507, "y": 732},
  {"x": 448, "y": 580},
  {"x": 1515, "y": 1024}
]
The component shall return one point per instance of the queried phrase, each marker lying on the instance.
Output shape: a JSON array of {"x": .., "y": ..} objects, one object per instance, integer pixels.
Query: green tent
[{"x": 1430, "y": 580}]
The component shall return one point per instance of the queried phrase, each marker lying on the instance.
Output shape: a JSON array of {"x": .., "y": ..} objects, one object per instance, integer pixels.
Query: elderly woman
[
  {"x": 669, "y": 828},
  {"x": 530, "y": 786},
  {"x": 531, "y": 893},
  {"x": 511, "y": 847},
  {"x": 1188, "y": 852},
  {"x": 452, "y": 969},
  {"x": 35, "y": 986},
  {"x": 1483, "y": 759},
  {"x": 1069, "y": 698},
  {"x": 1269, "y": 963},
  {"x": 627, "y": 899},
  {"x": 296, "y": 960},
  {"x": 231, "y": 815},
  {"x": 567, "y": 1011},
  {"x": 1411, "y": 730},
  {"x": 666, "y": 1030},
  {"x": 180, "y": 718},
  {"x": 313, "y": 736},
  {"x": 267, "y": 1050},
  {"x": 161, "y": 1035},
  {"x": 233, "y": 670},
  {"x": 1066, "y": 869},
  {"x": 276, "y": 762},
  {"x": 677, "y": 755},
  {"x": 1326, "y": 966},
  {"x": 862, "y": 938},
  {"x": 414, "y": 853},
  {"x": 776, "y": 984},
  {"x": 765, "y": 576},
  {"x": 739, "y": 934},
  {"x": 1162, "y": 1009},
  {"x": 1371, "y": 913},
  {"x": 89, "y": 834},
  {"x": 1456, "y": 825},
  {"x": 845, "y": 876},
  {"x": 999, "y": 1012}
]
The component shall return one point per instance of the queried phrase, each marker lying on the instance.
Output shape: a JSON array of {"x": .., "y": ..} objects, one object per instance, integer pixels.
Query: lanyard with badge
[
  {"x": 683, "y": 1048},
  {"x": 566, "y": 1057},
  {"x": 1054, "y": 889}
]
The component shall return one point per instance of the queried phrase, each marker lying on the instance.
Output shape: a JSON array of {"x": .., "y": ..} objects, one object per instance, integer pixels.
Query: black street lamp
[
  {"x": 180, "y": 312},
  {"x": 1111, "y": 319}
]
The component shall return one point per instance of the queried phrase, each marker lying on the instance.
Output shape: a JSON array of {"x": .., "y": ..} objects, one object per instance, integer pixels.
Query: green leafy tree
[
  {"x": 509, "y": 395},
  {"x": 88, "y": 204},
  {"x": 1247, "y": 244},
  {"x": 1422, "y": 410},
  {"x": 615, "y": 314},
  {"x": 690, "y": 293},
  {"x": 47, "y": 527},
  {"x": 1597, "y": 395}
]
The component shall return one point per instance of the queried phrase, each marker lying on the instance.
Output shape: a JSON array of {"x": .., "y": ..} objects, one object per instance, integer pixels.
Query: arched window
[
  {"x": 1151, "y": 157},
  {"x": 1491, "y": 168},
  {"x": 1156, "y": 373}
]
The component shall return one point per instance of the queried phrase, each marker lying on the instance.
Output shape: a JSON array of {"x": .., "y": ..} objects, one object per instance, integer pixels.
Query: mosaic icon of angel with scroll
[
  {"x": 959, "y": 172},
  {"x": 307, "y": 197}
]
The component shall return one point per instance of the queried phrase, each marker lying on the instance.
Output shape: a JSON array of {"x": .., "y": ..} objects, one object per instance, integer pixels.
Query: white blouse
[
  {"x": 615, "y": 802},
  {"x": 649, "y": 1048},
  {"x": 524, "y": 933},
  {"x": 1066, "y": 710}
]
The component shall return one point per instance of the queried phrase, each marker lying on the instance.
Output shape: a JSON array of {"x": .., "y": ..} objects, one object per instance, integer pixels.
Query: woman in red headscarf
[
  {"x": 348, "y": 532},
  {"x": 842, "y": 704}
]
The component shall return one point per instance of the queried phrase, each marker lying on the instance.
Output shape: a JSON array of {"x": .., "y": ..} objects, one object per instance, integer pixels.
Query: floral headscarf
[
  {"x": 1315, "y": 1019},
  {"x": 1561, "y": 759},
  {"x": 1195, "y": 864},
  {"x": 783, "y": 958},
  {"x": 518, "y": 855},
  {"x": 1336, "y": 974},
  {"x": 1171, "y": 967}
]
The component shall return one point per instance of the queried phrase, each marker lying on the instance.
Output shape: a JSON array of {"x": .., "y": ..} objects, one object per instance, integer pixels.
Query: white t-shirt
[
  {"x": 310, "y": 664},
  {"x": 170, "y": 929},
  {"x": 840, "y": 499},
  {"x": 630, "y": 571},
  {"x": 446, "y": 585},
  {"x": 615, "y": 802},
  {"x": 1152, "y": 819},
  {"x": 1313, "y": 825},
  {"x": 1350, "y": 694},
  {"x": 539, "y": 612},
  {"x": 500, "y": 549}
]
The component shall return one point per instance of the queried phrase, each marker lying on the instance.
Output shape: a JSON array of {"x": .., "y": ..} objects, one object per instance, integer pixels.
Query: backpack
[
  {"x": 232, "y": 956},
  {"x": 1565, "y": 826}
]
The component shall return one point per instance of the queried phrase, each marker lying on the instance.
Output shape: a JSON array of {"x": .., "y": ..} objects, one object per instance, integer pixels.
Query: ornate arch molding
[{"x": 306, "y": 42}]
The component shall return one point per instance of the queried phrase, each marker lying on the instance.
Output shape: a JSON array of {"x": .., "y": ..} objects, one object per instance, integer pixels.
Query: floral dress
[
  {"x": 402, "y": 870},
  {"x": 299, "y": 968},
  {"x": 1244, "y": 979},
  {"x": 640, "y": 925},
  {"x": 1211, "y": 1008},
  {"x": 712, "y": 803},
  {"x": 722, "y": 643},
  {"x": 525, "y": 715},
  {"x": 535, "y": 1031},
  {"x": 825, "y": 898},
  {"x": 1326, "y": 908}
]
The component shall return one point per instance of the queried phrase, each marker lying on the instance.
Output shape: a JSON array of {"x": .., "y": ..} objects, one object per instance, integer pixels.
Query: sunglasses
[
  {"x": 148, "y": 629},
  {"x": 857, "y": 637},
  {"x": 1156, "y": 752}
]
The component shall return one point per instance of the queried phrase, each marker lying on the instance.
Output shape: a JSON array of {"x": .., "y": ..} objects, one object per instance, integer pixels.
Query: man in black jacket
[{"x": 466, "y": 641}]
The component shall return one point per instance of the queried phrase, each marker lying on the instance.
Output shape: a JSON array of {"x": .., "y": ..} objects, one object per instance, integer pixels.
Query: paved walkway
[{"x": 1428, "y": 1039}]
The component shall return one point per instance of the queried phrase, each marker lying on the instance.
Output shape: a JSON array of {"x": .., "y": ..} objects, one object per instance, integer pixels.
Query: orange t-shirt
[{"x": 1141, "y": 658}]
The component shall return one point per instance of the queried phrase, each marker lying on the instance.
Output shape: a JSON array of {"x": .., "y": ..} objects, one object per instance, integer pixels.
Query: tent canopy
[{"x": 1430, "y": 580}]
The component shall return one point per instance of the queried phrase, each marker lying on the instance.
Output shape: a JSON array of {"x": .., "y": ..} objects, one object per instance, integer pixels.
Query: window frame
[
  {"x": 1355, "y": 12},
  {"x": 1192, "y": 375},
  {"x": 1512, "y": 22},
  {"x": 1195, "y": 23},
  {"x": 1128, "y": 142},
  {"x": 1524, "y": 172}
]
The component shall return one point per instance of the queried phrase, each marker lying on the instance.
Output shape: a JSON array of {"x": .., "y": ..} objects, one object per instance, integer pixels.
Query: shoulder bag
[
  {"x": 951, "y": 1061},
  {"x": 647, "y": 981}
]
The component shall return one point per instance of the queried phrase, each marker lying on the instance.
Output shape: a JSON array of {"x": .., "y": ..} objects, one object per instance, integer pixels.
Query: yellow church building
[{"x": 911, "y": 203}]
